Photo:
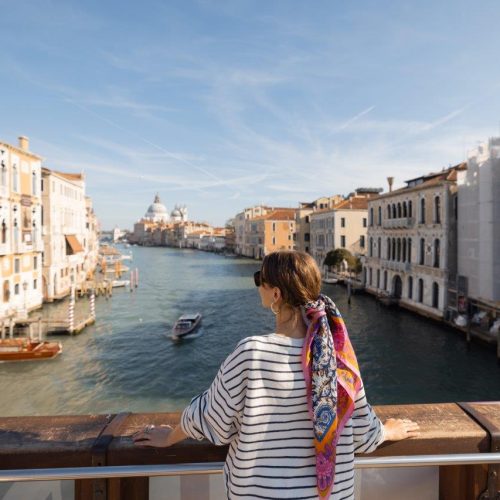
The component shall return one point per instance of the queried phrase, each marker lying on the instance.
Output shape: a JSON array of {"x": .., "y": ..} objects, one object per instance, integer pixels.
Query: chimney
[
  {"x": 24, "y": 143},
  {"x": 390, "y": 180}
]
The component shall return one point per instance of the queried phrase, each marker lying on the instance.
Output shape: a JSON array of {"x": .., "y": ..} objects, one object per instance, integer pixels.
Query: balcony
[
  {"x": 401, "y": 223},
  {"x": 402, "y": 267},
  {"x": 96, "y": 454}
]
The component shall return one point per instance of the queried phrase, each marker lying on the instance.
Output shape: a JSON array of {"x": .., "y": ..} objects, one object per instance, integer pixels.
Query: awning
[{"x": 73, "y": 242}]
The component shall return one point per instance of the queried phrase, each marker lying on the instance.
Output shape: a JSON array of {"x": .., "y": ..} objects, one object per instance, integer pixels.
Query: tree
[{"x": 334, "y": 258}]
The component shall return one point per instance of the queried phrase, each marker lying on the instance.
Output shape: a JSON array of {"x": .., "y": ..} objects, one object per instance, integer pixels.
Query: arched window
[
  {"x": 394, "y": 215},
  {"x": 388, "y": 248},
  {"x": 410, "y": 287},
  {"x": 404, "y": 250},
  {"x": 399, "y": 211},
  {"x": 435, "y": 295},
  {"x": 379, "y": 216},
  {"x": 4, "y": 174},
  {"x": 437, "y": 210},
  {"x": 33, "y": 184},
  {"x": 420, "y": 290},
  {"x": 378, "y": 278},
  {"x": 385, "y": 280},
  {"x": 421, "y": 260},
  {"x": 370, "y": 273},
  {"x": 410, "y": 209},
  {"x": 393, "y": 256},
  {"x": 371, "y": 216},
  {"x": 388, "y": 211},
  {"x": 371, "y": 247},
  {"x": 422, "y": 211},
  {"x": 4, "y": 232},
  {"x": 409, "y": 249},
  {"x": 399, "y": 250},
  {"x": 379, "y": 247},
  {"x": 405, "y": 210},
  {"x": 437, "y": 252}
]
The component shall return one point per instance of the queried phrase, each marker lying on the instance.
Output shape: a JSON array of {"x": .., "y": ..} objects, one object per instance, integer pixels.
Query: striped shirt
[{"x": 257, "y": 404}]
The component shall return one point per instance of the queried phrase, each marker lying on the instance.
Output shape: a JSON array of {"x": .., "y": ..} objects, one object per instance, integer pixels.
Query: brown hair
[{"x": 296, "y": 274}]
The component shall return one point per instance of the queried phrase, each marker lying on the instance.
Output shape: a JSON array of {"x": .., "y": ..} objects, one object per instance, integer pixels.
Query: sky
[{"x": 224, "y": 104}]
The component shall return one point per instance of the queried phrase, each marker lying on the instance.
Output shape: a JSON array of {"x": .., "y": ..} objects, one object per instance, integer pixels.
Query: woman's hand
[
  {"x": 158, "y": 437},
  {"x": 396, "y": 429}
]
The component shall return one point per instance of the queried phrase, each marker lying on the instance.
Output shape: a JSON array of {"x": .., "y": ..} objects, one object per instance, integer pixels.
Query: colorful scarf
[{"x": 332, "y": 380}]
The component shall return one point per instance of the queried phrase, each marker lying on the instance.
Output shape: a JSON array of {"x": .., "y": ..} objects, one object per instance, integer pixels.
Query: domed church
[{"x": 157, "y": 212}]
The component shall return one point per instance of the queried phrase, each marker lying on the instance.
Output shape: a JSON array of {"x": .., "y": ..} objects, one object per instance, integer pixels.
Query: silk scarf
[{"x": 332, "y": 380}]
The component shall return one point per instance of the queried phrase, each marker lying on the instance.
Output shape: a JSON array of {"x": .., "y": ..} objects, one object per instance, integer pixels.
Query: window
[
  {"x": 420, "y": 290},
  {"x": 379, "y": 247},
  {"x": 16, "y": 265},
  {"x": 405, "y": 210},
  {"x": 437, "y": 252},
  {"x": 403, "y": 258},
  {"x": 409, "y": 209},
  {"x": 370, "y": 273},
  {"x": 274, "y": 227},
  {"x": 342, "y": 222},
  {"x": 385, "y": 280},
  {"x": 35, "y": 262},
  {"x": 14, "y": 178},
  {"x": 410, "y": 287},
  {"x": 364, "y": 221},
  {"x": 307, "y": 219},
  {"x": 379, "y": 216},
  {"x": 378, "y": 278},
  {"x": 307, "y": 237},
  {"x": 6, "y": 291},
  {"x": 4, "y": 174},
  {"x": 362, "y": 241},
  {"x": 422, "y": 252},
  {"x": 33, "y": 184},
  {"x": 399, "y": 211},
  {"x": 371, "y": 247},
  {"x": 393, "y": 256},
  {"x": 289, "y": 237},
  {"x": 388, "y": 211},
  {"x": 394, "y": 214},
  {"x": 435, "y": 295},
  {"x": 16, "y": 289},
  {"x": 342, "y": 241},
  {"x": 371, "y": 216},
  {"x": 422, "y": 211},
  {"x": 274, "y": 240},
  {"x": 437, "y": 210},
  {"x": 409, "y": 249},
  {"x": 399, "y": 250},
  {"x": 34, "y": 284},
  {"x": 4, "y": 232},
  {"x": 388, "y": 248}
]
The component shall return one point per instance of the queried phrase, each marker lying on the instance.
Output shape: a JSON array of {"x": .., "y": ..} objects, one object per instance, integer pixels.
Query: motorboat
[
  {"x": 330, "y": 281},
  {"x": 24, "y": 349},
  {"x": 120, "y": 283},
  {"x": 185, "y": 325}
]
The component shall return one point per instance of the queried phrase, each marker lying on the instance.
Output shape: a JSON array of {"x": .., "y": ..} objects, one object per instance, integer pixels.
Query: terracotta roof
[
  {"x": 355, "y": 203},
  {"x": 280, "y": 214}
]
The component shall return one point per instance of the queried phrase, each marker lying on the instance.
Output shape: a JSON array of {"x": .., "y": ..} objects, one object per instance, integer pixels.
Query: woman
[{"x": 290, "y": 404}]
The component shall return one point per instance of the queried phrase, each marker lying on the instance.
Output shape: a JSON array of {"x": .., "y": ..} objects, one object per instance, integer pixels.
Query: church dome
[{"x": 157, "y": 211}]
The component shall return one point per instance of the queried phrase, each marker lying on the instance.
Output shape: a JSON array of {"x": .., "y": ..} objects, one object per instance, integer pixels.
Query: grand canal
[{"x": 126, "y": 363}]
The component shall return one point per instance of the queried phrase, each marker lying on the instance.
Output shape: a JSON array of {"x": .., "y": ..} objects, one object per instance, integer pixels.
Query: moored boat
[
  {"x": 185, "y": 325},
  {"x": 24, "y": 349}
]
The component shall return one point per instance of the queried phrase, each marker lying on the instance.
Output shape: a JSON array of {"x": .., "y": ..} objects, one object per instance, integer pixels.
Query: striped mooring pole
[
  {"x": 136, "y": 277},
  {"x": 92, "y": 303},
  {"x": 71, "y": 311}
]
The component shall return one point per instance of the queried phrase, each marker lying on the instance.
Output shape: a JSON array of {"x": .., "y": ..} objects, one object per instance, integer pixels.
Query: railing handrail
[{"x": 121, "y": 471}]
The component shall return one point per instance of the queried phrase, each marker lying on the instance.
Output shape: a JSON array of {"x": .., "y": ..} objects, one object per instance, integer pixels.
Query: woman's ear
[{"x": 276, "y": 293}]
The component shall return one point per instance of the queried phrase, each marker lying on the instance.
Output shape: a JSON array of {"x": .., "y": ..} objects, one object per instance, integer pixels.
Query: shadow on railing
[{"x": 76, "y": 445}]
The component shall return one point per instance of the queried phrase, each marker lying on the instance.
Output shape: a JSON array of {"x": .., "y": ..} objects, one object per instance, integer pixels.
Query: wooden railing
[{"x": 105, "y": 440}]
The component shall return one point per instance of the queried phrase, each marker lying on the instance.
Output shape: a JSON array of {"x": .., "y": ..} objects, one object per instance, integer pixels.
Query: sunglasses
[{"x": 257, "y": 279}]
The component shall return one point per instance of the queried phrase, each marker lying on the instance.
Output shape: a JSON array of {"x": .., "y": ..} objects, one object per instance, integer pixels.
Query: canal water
[{"x": 125, "y": 362}]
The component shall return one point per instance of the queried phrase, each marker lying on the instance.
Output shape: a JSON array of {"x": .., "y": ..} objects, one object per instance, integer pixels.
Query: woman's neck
[{"x": 289, "y": 323}]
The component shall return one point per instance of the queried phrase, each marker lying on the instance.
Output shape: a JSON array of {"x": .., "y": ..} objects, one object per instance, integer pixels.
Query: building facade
[
  {"x": 21, "y": 243},
  {"x": 65, "y": 234},
  {"x": 411, "y": 242},
  {"x": 343, "y": 226},
  {"x": 479, "y": 223}
]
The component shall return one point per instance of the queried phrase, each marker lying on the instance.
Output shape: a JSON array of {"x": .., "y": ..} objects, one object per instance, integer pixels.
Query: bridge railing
[{"x": 456, "y": 456}]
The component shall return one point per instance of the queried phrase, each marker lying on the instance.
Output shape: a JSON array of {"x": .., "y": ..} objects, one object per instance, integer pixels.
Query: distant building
[
  {"x": 65, "y": 219},
  {"x": 478, "y": 273},
  {"x": 342, "y": 226},
  {"x": 411, "y": 241},
  {"x": 21, "y": 243}
]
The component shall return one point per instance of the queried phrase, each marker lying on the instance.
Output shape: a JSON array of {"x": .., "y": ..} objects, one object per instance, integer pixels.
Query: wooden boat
[
  {"x": 186, "y": 324},
  {"x": 24, "y": 349},
  {"x": 120, "y": 283}
]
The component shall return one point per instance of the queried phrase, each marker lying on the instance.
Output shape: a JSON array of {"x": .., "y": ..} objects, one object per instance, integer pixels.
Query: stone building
[
  {"x": 342, "y": 226},
  {"x": 66, "y": 238},
  {"x": 21, "y": 243},
  {"x": 411, "y": 241}
]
